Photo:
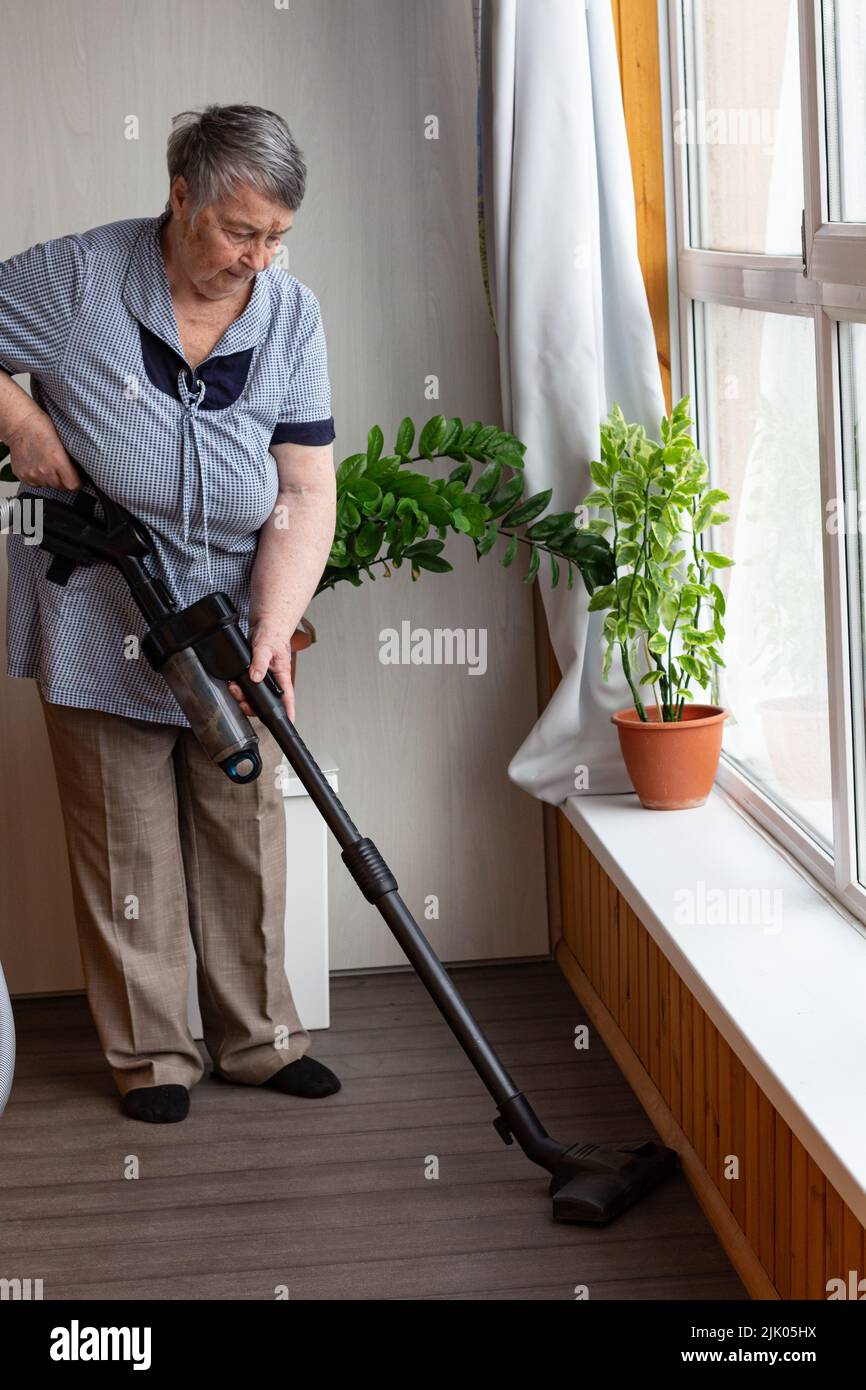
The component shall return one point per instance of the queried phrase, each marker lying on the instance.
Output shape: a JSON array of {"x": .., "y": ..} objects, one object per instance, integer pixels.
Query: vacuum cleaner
[{"x": 198, "y": 650}]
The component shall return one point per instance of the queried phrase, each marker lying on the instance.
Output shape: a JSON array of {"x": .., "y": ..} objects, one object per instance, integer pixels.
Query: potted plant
[
  {"x": 663, "y": 609},
  {"x": 387, "y": 508}
]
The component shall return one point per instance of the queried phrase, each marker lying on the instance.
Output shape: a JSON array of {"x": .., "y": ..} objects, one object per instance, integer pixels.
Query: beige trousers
[{"x": 162, "y": 845}]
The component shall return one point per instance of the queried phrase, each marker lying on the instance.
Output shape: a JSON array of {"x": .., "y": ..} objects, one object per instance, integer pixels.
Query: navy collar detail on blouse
[{"x": 147, "y": 295}]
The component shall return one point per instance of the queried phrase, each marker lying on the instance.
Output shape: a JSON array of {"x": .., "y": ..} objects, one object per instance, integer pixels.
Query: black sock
[
  {"x": 158, "y": 1104},
  {"x": 304, "y": 1077}
]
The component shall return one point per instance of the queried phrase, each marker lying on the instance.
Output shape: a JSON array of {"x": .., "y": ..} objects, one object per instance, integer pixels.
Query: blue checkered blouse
[{"x": 90, "y": 317}]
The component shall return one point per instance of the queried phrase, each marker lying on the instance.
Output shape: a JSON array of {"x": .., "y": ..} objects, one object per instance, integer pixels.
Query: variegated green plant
[{"x": 663, "y": 609}]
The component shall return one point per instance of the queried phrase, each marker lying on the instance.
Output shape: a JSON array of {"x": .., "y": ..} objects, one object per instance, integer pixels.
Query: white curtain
[{"x": 572, "y": 321}]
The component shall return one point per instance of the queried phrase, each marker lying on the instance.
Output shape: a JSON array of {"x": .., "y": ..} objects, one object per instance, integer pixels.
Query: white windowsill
[{"x": 790, "y": 1002}]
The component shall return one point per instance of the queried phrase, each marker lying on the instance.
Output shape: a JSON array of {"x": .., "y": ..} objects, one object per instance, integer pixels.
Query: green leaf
[
  {"x": 434, "y": 563},
  {"x": 432, "y": 435},
  {"x": 511, "y": 551},
  {"x": 528, "y": 510},
  {"x": 367, "y": 540},
  {"x": 602, "y": 598},
  {"x": 506, "y": 496},
  {"x": 651, "y": 677},
  {"x": 425, "y": 547},
  {"x": 510, "y": 458},
  {"x": 375, "y": 444},
  {"x": 715, "y": 560},
  {"x": 554, "y": 570},
  {"x": 691, "y": 666},
  {"x": 488, "y": 480},
  {"x": 351, "y": 515},
  {"x": 405, "y": 437},
  {"x": 487, "y": 438},
  {"x": 351, "y": 468},
  {"x": 461, "y": 474},
  {"x": 533, "y": 565}
]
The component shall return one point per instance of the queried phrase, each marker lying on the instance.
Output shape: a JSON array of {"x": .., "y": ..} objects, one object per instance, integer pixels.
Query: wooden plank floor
[{"x": 256, "y": 1190}]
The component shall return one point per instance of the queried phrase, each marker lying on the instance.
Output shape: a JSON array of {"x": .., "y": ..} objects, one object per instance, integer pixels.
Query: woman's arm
[
  {"x": 293, "y": 548},
  {"x": 36, "y": 455}
]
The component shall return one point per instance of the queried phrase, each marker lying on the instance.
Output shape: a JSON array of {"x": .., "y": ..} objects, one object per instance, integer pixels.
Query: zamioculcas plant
[
  {"x": 387, "y": 508},
  {"x": 664, "y": 609}
]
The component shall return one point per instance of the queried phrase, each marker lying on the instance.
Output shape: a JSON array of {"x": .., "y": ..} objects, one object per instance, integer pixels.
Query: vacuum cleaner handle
[{"x": 73, "y": 535}]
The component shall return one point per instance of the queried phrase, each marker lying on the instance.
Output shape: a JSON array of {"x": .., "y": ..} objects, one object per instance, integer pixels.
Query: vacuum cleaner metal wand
[
  {"x": 589, "y": 1183},
  {"x": 199, "y": 649}
]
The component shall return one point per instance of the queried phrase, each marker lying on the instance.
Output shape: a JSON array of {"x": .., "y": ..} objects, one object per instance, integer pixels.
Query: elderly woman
[{"x": 187, "y": 372}]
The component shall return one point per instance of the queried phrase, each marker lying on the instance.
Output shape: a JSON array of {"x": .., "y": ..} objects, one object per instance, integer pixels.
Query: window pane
[
  {"x": 741, "y": 127},
  {"x": 852, "y": 366},
  {"x": 845, "y": 103},
  {"x": 758, "y": 429}
]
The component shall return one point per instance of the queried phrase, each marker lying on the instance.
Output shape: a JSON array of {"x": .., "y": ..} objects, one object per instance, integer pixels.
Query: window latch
[{"x": 803, "y": 240}]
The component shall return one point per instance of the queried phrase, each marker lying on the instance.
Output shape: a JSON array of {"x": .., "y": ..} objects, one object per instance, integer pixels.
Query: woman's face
[{"x": 231, "y": 240}]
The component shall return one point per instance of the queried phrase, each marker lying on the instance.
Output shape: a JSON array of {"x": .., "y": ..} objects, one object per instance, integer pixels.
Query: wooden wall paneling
[
  {"x": 653, "y": 1060},
  {"x": 643, "y": 942},
  {"x": 664, "y": 976},
  {"x": 738, "y": 1138},
  {"x": 751, "y": 1163},
  {"x": 799, "y": 1224},
  {"x": 687, "y": 1008},
  {"x": 853, "y": 1247},
  {"x": 621, "y": 1011},
  {"x": 782, "y": 1278},
  {"x": 698, "y": 1132},
  {"x": 675, "y": 1029},
  {"x": 816, "y": 1225},
  {"x": 716, "y": 1109},
  {"x": 634, "y": 982},
  {"x": 766, "y": 1167}
]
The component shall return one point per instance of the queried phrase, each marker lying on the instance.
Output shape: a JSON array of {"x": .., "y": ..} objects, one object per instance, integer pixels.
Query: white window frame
[{"x": 828, "y": 284}]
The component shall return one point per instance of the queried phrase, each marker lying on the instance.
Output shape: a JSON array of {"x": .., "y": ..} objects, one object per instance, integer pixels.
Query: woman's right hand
[{"x": 37, "y": 456}]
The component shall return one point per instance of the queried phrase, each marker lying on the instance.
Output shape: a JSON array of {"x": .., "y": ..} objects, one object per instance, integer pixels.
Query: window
[{"x": 768, "y": 156}]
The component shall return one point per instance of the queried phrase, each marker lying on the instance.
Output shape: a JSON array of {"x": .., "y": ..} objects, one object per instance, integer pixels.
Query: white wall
[{"x": 387, "y": 238}]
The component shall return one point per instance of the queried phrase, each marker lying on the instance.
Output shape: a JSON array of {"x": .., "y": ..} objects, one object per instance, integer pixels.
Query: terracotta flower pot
[
  {"x": 671, "y": 766},
  {"x": 303, "y": 637}
]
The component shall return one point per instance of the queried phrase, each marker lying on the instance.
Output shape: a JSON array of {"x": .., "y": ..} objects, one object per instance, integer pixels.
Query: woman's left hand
[{"x": 270, "y": 649}]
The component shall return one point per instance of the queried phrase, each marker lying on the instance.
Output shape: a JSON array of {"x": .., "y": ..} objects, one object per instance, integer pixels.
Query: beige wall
[{"x": 387, "y": 239}]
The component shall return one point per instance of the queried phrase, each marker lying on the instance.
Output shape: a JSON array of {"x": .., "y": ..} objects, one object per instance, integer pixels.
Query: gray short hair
[{"x": 223, "y": 146}]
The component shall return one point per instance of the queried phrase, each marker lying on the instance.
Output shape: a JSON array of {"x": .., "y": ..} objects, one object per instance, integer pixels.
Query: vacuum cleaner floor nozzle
[{"x": 593, "y": 1183}]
